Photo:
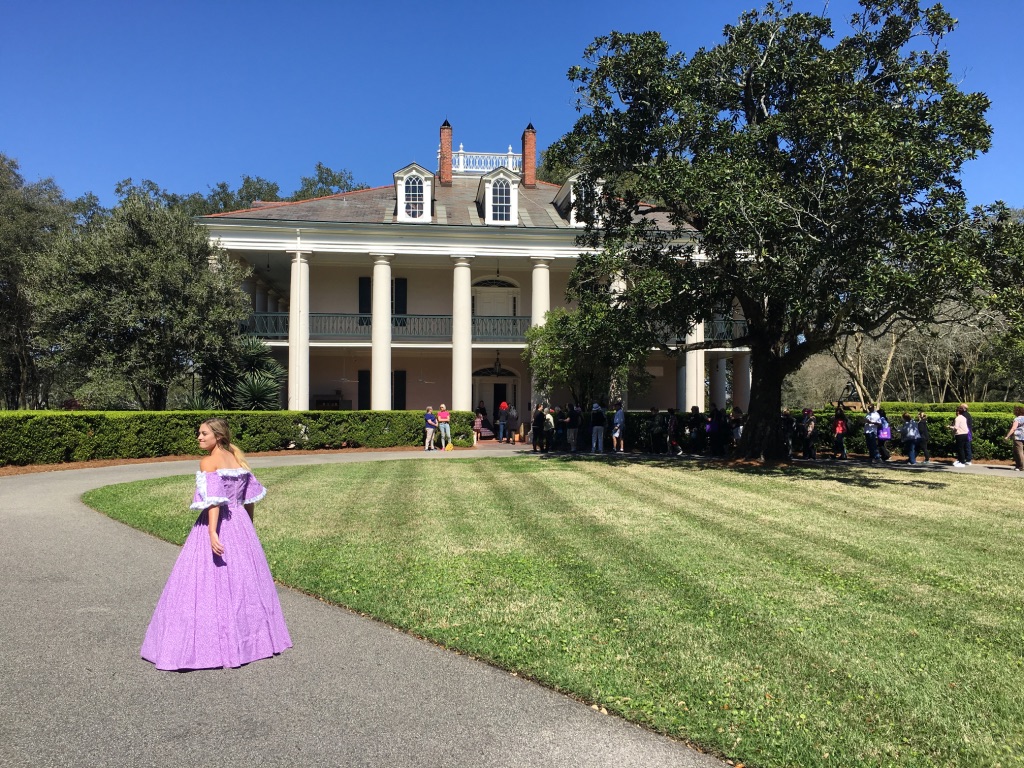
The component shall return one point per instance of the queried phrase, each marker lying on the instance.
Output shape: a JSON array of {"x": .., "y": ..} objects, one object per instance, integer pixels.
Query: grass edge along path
[{"x": 780, "y": 617}]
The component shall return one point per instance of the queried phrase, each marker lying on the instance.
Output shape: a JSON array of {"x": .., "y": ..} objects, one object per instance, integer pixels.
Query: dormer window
[
  {"x": 413, "y": 194},
  {"x": 565, "y": 201},
  {"x": 497, "y": 197}
]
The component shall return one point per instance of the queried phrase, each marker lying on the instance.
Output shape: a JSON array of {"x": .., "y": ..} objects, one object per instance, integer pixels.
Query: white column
[
  {"x": 462, "y": 334},
  {"x": 380, "y": 333},
  {"x": 541, "y": 302},
  {"x": 695, "y": 369},
  {"x": 718, "y": 381},
  {"x": 298, "y": 333},
  {"x": 741, "y": 380}
]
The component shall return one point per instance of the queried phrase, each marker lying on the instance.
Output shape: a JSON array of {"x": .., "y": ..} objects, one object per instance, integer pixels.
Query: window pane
[{"x": 414, "y": 197}]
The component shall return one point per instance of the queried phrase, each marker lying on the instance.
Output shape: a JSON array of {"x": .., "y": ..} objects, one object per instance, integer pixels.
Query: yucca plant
[{"x": 257, "y": 392}]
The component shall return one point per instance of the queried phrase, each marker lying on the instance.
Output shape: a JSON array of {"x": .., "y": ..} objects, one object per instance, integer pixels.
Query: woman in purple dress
[{"x": 220, "y": 606}]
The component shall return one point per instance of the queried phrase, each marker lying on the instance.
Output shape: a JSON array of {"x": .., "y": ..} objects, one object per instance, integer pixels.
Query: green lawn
[{"x": 788, "y": 617}]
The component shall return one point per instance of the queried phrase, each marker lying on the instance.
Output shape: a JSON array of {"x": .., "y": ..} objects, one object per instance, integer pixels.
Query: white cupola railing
[{"x": 478, "y": 163}]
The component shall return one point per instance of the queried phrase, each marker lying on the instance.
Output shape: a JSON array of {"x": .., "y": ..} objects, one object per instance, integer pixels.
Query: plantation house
[{"x": 421, "y": 292}]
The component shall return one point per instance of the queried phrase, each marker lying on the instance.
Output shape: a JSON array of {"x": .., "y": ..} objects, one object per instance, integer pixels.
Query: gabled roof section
[
  {"x": 501, "y": 172},
  {"x": 413, "y": 168}
]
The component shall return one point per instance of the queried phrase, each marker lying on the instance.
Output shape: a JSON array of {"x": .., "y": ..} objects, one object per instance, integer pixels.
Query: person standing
[
  {"x": 840, "y": 427},
  {"x": 549, "y": 430},
  {"x": 513, "y": 423},
  {"x": 1016, "y": 434},
  {"x": 430, "y": 425},
  {"x": 922, "y": 441},
  {"x": 597, "y": 420},
  {"x": 961, "y": 433},
  {"x": 884, "y": 435},
  {"x": 909, "y": 437},
  {"x": 810, "y": 430},
  {"x": 219, "y": 607},
  {"x": 619, "y": 429},
  {"x": 788, "y": 431},
  {"x": 538, "y": 428},
  {"x": 502, "y": 421},
  {"x": 970, "y": 434},
  {"x": 444, "y": 419},
  {"x": 872, "y": 422},
  {"x": 573, "y": 430}
]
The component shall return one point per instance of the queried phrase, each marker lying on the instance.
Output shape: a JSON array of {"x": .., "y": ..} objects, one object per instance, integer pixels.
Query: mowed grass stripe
[{"x": 784, "y": 617}]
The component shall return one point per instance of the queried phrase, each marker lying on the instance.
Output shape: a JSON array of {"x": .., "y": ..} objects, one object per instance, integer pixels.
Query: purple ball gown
[{"x": 218, "y": 611}]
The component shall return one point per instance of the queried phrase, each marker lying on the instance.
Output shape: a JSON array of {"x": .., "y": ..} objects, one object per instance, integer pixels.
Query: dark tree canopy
[
  {"x": 822, "y": 175},
  {"x": 149, "y": 298}
]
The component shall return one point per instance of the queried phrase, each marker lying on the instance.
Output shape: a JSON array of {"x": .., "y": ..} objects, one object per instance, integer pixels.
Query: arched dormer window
[
  {"x": 413, "y": 195},
  {"x": 497, "y": 197},
  {"x": 501, "y": 201}
]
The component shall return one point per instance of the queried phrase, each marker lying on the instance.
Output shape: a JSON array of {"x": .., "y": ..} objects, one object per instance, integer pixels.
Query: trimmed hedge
[
  {"x": 915, "y": 408},
  {"x": 54, "y": 437}
]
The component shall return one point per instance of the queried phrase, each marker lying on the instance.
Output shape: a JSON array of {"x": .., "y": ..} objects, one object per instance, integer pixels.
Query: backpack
[{"x": 884, "y": 433}]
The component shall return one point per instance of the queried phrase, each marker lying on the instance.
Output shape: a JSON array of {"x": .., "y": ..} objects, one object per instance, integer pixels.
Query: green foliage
[
  {"x": 325, "y": 182},
  {"x": 570, "y": 350},
  {"x": 152, "y": 297},
  {"x": 250, "y": 380},
  {"x": 257, "y": 392},
  {"x": 822, "y": 176},
  {"x": 31, "y": 216},
  {"x": 46, "y": 437}
]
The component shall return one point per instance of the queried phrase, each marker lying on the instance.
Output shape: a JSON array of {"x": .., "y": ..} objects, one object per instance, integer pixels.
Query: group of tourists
[
  {"x": 554, "y": 428},
  {"x": 718, "y": 431},
  {"x": 911, "y": 431}
]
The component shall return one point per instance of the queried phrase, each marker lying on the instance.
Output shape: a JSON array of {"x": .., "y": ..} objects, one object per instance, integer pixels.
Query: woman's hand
[{"x": 215, "y": 545}]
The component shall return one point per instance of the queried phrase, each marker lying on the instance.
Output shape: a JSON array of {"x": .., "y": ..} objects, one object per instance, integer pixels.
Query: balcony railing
[
  {"x": 724, "y": 330},
  {"x": 500, "y": 328},
  {"x": 349, "y": 327}
]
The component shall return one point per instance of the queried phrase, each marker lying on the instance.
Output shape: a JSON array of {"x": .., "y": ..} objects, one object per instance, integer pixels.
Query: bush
[{"x": 53, "y": 437}]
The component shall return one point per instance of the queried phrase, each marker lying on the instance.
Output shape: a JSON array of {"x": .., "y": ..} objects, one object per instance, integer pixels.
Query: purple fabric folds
[{"x": 218, "y": 611}]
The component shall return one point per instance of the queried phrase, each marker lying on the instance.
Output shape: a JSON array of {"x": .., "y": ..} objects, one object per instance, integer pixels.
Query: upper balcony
[
  {"x": 356, "y": 327},
  {"x": 325, "y": 326}
]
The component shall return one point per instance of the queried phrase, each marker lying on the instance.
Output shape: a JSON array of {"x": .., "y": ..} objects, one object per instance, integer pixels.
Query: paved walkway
[
  {"x": 77, "y": 593},
  {"x": 78, "y": 590}
]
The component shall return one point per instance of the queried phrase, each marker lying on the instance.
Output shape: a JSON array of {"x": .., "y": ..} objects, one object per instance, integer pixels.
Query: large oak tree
[{"x": 822, "y": 175}]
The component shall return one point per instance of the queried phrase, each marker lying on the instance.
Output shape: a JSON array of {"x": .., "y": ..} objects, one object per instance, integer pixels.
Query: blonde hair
[{"x": 222, "y": 432}]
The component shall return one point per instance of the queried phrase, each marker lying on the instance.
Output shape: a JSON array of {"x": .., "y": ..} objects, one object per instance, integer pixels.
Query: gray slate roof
[{"x": 453, "y": 206}]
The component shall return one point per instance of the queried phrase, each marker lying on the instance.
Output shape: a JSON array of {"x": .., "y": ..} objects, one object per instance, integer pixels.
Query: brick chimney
[
  {"x": 530, "y": 156},
  {"x": 444, "y": 160}
]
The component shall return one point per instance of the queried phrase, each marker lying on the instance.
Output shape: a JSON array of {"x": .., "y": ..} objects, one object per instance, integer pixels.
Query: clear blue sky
[{"x": 191, "y": 93}]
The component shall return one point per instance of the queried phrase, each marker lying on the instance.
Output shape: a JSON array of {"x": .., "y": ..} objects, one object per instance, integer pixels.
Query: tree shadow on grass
[{"x": 854, "y": 473}]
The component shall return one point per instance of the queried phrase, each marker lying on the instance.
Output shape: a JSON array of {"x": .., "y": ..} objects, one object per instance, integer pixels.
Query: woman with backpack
[
  {"x": 884, "y": 435},
  {"x": 909, "y": 436}
]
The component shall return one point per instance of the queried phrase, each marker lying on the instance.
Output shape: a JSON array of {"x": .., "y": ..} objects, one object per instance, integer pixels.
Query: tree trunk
[{"x": 762, "y": 433}]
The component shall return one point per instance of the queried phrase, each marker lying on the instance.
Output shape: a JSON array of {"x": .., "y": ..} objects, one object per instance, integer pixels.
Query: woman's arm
[
  {"x": 213, "y": 517},
  {"x": 251, "y": 509}
]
